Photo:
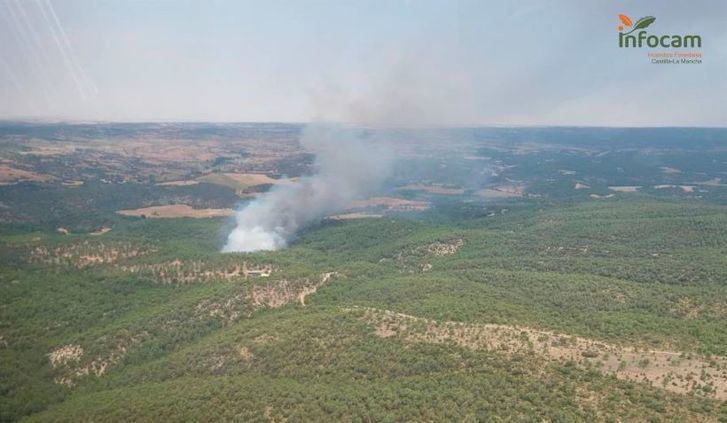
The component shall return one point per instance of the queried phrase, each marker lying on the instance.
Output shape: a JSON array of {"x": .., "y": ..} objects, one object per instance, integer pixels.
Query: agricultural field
[{"x": 499, "y": 274}]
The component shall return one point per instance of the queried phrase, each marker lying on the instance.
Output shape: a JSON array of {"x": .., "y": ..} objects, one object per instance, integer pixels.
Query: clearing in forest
[{"x": 175, "y": 210}]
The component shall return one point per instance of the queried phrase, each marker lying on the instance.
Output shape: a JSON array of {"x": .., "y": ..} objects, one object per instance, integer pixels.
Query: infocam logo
[{"x": 644, "y": 39}]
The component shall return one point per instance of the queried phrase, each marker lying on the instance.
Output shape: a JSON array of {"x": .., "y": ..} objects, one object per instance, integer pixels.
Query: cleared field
[
  {"x": 625, "y": 188},
  {"x": 433, "y": 189},
  {"x": 240, "y": 180},
  {"x": 178, "y": 183},
  {"x": 175, "y": 210},
  {"x": 11, "y": 175},
  {"x": 685, "y": 188},
  {"x": 390, "y": 203},
  {"x": 354, "y": 215}
]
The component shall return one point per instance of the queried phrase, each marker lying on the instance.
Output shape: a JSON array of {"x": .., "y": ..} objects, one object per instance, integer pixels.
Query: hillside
[
  {"x": 358, "y": 312},
  {"x": 548, "y": 305}
]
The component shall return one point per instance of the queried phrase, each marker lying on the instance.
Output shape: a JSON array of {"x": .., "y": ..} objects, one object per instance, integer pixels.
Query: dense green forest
[
  {"x": 542, "y": 274},
  {"x": 631, "y": 272}
]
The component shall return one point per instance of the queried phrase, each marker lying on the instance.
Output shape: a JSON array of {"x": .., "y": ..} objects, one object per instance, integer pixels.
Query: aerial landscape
[
  {"x": 367, "y": 262},
  {"x": 493, "y": 265}
]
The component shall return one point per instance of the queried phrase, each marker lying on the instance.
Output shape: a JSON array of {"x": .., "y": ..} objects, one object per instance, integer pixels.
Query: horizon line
[{"x": 49, "y": 121}]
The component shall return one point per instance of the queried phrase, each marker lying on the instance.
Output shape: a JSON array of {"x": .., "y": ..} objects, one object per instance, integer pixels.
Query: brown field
[
  {"x": 176, "y": 210},
  {"x": 390, "y": 203},
  {"x": 10, "y": 175},
  {"x": 241, "y": 180}
]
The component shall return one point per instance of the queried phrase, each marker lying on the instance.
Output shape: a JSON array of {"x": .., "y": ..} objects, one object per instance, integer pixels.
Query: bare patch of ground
[
  {"x": 687, "y": 308},
  {"x": 390, "y": 203},
  {"x": 182, "y": 183},
  {"x": 280, "y": 293},
  {"x": 596, "y": 196},
  {"x": 581, "y": 186},
  {"x": 354, "y": 215},
  {"x": 503, "y": 191},
  {"x": 100, "y": 231},
  {"x": 685, "y": 188},
  {"x": 559, "y": 250},
  {"x": 624, "y": 188},
  {"x": 442, "y": 248},
  {"x": 188, "y": 272},
  {"x": 176, "y": 210},
  {"x": 674, "y": 371},
  {"x": 714, "y": 182},
  {"x": 410, "y": 259},
  {"x": 266, "y": 339},
  {"x": 240, "y": 181},
  {"x": 65, "y": 354},
  {"x": 274, "y": 294},
  {"x": 245, "y": 354},
  {"x": 86, "y": 253},
  {"x": 71, "y": 366},
  {"x": 667, "y": 169},
  {"x": 10, "y": 175},
  {"x": 433, "y": 189}
]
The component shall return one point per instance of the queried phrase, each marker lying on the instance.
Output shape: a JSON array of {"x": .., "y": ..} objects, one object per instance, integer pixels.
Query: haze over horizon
[{"x": 536, "y": 63}]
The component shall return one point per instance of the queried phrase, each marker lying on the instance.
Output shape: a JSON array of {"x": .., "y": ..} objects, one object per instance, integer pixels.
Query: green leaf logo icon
[{"x": 642, "y": 23}]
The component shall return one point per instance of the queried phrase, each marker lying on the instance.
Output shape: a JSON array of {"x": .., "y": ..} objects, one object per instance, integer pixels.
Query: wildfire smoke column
[{"x": 350, "y": 163}]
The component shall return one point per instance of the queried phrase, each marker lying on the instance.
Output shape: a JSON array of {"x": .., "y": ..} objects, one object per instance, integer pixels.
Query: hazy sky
[{"x": 404, "y": 62}]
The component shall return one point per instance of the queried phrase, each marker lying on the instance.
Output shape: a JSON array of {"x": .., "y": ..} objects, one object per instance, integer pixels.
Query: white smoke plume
[
  {"x": 349, "y": 165},
  {"x": 406, "y": 90}
]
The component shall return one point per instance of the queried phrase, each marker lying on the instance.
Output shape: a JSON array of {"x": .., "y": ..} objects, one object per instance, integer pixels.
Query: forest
[
  {"x": 537, "y": 281},
  {"x": 635, "y": 273}
]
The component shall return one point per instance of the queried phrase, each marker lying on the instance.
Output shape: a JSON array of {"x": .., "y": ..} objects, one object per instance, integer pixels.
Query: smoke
[
  {"x": 350, "y": 164},
  {"x": 408, "y": 90}
]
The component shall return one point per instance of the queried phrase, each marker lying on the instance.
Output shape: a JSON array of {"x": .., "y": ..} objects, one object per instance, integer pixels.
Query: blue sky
[{"x": 386, "y": 62}]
